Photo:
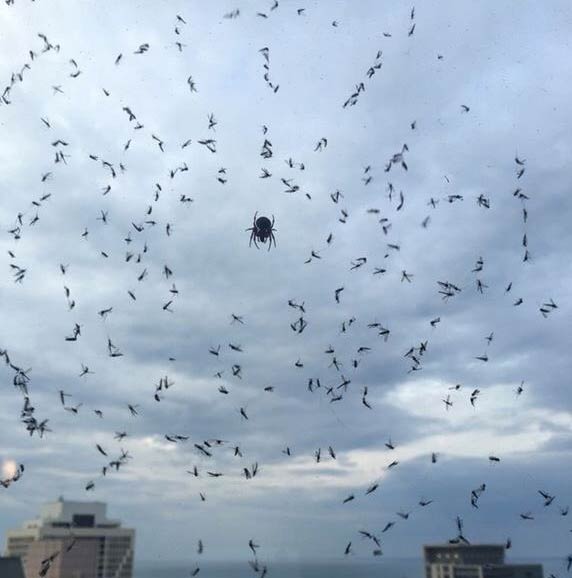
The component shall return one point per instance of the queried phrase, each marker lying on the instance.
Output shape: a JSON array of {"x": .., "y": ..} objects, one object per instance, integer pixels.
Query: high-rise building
[
  {"x": 474, "y": 561},
  {"x": 74, "y": 539}
]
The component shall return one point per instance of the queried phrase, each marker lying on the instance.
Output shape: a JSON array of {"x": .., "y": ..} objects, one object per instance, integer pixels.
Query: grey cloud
[{"x": 507, "y": 65}]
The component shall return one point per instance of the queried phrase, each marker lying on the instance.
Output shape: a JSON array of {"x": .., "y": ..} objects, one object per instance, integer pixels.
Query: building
[
  {"x": 76, "y": 540},
  {"x": 474, "y": 561},
  {"x": 11, "y": 568}
]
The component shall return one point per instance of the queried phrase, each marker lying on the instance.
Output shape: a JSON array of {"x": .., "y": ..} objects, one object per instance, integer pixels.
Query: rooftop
[{"x": 64, "y": 513}]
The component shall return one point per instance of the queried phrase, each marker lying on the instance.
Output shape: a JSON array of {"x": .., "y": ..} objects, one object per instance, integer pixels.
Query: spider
[{"x": 262, "y": 229}]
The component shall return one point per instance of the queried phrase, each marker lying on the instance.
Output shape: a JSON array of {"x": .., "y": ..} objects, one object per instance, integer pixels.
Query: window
[{"x": 83, "y": 520}]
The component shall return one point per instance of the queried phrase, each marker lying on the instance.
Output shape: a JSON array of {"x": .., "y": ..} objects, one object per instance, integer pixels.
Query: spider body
[{"x": 262, "y": 230}]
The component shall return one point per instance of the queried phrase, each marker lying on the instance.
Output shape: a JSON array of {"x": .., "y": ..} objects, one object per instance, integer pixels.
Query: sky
[{"x": 471, "y": 90}]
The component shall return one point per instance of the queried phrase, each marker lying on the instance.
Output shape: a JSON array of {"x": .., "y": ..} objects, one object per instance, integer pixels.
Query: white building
[
  {"x": 79, "y": 538},
  {"x": 474, "y": 561}
]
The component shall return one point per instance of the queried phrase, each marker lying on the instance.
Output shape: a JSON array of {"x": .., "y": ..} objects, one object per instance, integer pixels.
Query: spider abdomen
[{"x": 263, "y": 224}]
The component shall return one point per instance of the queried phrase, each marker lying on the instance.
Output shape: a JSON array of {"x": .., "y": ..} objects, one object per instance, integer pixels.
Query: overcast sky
[{"x": 507, "y": 63}]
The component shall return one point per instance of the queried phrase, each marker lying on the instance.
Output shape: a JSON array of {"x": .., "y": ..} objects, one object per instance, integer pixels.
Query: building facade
[
  {"x": 75, "y": 540},
  {"x": 474, "y": 561}
]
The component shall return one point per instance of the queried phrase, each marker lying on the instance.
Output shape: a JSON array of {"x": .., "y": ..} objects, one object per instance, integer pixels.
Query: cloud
[{"x": 518, "y": 101}]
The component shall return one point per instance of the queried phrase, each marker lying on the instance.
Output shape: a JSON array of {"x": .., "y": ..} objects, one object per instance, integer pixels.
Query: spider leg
[
  {"x": 271, "y": 226},
  {"x": 254, "y": 220},
  {"x": 251, "y": 238},
  {"x": 272, "y": 238}
]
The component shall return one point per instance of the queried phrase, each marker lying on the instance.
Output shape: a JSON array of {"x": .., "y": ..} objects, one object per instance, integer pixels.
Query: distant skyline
[{"x": 507, "y": 65}]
